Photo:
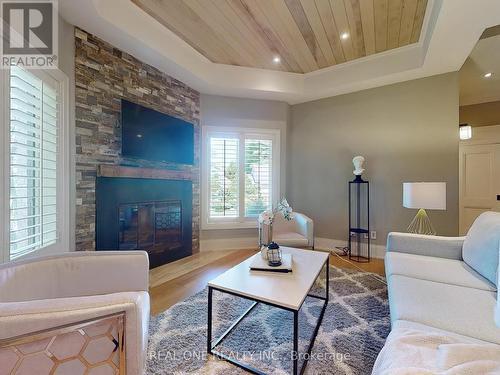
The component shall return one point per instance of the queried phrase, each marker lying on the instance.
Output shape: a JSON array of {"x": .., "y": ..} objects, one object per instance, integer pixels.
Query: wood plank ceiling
[{"x": 306, "y": 35}]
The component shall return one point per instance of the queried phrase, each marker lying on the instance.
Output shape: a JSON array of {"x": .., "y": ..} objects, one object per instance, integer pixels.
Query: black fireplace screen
[
  {"x": 156, "y": 226},
  {"x": 145, "y": 214}
]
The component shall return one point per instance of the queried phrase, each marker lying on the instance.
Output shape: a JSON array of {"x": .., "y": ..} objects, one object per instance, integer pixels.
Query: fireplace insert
[{"x": 145, "y": 214}]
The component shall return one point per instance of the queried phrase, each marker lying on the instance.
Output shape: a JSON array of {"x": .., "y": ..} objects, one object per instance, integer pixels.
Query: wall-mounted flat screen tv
[{"x": 151, "y": 135}]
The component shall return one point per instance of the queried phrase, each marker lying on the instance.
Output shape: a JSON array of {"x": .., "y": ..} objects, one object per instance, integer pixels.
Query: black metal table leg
[
  {"x": 327, "y": 279},
  {"x": 320, "y": 319},
  {"x": 295, "y": 353},
  {"x": 209, "y": 325},
  {"x": 233, "y": 326},
  {"x": 211, "y": 347}
]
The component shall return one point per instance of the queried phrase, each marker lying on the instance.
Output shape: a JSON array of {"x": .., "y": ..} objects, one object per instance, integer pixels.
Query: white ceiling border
[{"x": 450, "y": 31}]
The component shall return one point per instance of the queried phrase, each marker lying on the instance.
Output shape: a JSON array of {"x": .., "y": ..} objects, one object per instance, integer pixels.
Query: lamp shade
[{"x": 426, "y": 195}]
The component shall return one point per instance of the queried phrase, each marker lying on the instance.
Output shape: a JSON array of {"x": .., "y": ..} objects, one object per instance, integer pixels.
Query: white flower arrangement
[
  {"x": 267, "y": 217},
  {"x": 285, "y": 209}
]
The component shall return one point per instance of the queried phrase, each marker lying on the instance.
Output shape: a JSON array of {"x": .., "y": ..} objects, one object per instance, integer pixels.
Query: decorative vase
[
  {"x": 263, "y": 252},
  {"x": 263, "y": 247},
  {"x": 274, "y": 254}
]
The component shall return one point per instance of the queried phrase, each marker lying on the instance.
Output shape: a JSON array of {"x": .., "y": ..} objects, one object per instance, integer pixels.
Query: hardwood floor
[
  {"x": 375, "y": 265},
  {"x": 178, "y": 280},
  {"x": 170, "y": 271},
  {"x": 174, "y": 290}
]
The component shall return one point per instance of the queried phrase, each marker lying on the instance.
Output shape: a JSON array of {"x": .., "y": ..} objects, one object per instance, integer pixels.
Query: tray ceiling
[
  {"x": 305, "y": 35},
  {"x": 449, "y": 32},
  {"x": 475, "y": 88}
]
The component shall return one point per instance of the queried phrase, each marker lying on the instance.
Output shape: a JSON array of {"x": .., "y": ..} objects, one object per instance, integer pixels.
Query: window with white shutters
[
  {"x": 258, "y": 176},
  {"x": 33, "y": 167},
  {"x": 241, "y": 175},
  {"x": 224, "y": 177}
]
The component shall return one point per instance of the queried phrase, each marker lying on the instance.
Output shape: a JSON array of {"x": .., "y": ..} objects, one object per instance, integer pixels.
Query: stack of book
[{"x": 260, "y": 264}]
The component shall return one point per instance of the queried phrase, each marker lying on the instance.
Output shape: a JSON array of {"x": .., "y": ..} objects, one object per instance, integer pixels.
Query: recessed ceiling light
[
  {"x": 344, "y": 36},
  {"x": 488, "y": 75},
  {"x": 276, "y": 59}
]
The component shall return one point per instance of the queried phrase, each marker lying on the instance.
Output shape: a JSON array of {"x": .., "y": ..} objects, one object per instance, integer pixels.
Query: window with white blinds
[
  {"x": 33, "y": 167},
  {"x": 258, "y": 176},
  {"x": 224, "y": 177},
  {"x": 241, "y": 174}
]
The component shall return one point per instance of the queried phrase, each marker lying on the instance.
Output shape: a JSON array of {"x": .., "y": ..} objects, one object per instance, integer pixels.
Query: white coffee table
[{"x": 281, "y": 290}]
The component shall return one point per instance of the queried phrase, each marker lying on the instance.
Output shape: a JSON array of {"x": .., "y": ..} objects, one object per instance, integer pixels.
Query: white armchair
[
  {"x": 75, "y": 311},
  {"x": 298, "y": 232}
]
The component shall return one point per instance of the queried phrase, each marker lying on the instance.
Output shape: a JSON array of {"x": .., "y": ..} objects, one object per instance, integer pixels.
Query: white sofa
[
  {"x": 443, "y": 302},
  {"x": 64, "y": 293},
  {"x": 298, "y": 232}
]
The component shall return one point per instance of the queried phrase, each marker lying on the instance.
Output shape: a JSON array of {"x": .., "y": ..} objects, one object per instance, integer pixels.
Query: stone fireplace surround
[{"x": 103, "y": 76}]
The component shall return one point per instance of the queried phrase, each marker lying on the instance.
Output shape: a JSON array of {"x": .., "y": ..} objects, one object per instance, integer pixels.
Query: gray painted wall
[
  {"x": 407, "y": 132},
  {"x": 231, "y": 112}
]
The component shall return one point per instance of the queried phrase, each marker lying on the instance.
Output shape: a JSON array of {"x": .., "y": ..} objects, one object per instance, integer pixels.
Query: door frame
[{"x": 483, "y": 135}]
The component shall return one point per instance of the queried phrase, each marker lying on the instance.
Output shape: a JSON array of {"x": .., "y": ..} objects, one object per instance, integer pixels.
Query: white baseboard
[
  {"x": 224, "y": 244},
  {"x": 241, "y": 243}
]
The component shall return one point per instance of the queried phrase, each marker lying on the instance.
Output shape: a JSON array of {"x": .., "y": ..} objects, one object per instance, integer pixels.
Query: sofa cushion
[
  {"x": 406, "y": 324},
  {"x": 466, "y": 311},
  {"x": 449, "y": 271},
  {"x": 481, "y": 246},
  {"x": 419, "y": 349},
  {"x": 290, "y": 239},
  {"x": 422, "y": 244}
]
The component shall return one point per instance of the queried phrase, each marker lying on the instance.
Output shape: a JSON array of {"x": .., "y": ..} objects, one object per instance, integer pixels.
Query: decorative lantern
[{"x": 274, "y": 254}]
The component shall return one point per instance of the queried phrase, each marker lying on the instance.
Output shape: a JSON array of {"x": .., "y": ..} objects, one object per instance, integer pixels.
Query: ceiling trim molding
[
  {"x": 450, "y": 31},
  {"x": 484, "y": 58}
]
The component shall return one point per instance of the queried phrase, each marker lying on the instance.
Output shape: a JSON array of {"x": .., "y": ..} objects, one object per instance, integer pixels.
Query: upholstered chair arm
[
  {"x": 74, "y": 274},
  {"x": 305, "y": 226},
  {"x": 33, "y": 317},
  {"x": 436, "y": 246}
]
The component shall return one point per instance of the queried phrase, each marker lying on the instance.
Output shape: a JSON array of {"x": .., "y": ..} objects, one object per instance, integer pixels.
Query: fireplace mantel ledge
[{"x": 104, "y": 170}]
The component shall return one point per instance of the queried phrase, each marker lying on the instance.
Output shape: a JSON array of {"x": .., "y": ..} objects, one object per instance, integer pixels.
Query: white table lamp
[{"x": 422, "y": 196}]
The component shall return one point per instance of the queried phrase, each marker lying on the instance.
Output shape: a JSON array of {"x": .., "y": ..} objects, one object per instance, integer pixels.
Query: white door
[{"x": 479, "y": 182}]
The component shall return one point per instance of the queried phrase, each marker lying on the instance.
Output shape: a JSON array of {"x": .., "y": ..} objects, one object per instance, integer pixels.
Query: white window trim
[
  {"x": 63, "y": 208},
  {"x": 208, "y": 223}
]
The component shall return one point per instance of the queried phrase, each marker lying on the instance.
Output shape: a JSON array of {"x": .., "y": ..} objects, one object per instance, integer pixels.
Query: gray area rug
[{"x": 353, "y": 331}]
